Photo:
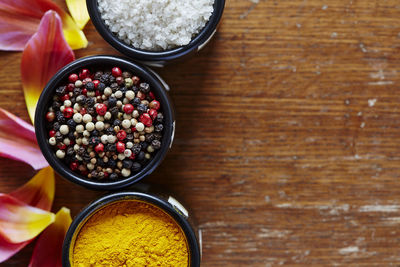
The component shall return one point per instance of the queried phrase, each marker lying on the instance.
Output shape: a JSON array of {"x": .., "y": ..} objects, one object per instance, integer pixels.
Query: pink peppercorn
[
  {"x": 153, "y": 113},
  {"x": 151, "y": 95},
  {"x": 73, "y": 78},
  {"x": 116, "y": 72},
  {"x": 154, "y": 105},
  {"x": 65, "y": 97},
  {"x": 96, "y": 83},
  {"x": 101, "y": 109},
  {"x": 70, "y": 87},
  {"x": 68, "y": 112},
  {"x": 84, "y": 91},
  {"x": 146, "y": 119},
  {"x": 99, "y": 148},
  {"x": 74, "y": 166},
  {"x": 128, "y": 108},
  {"x": 120, "y": 147},
  {"x": 62, "y": 146},
  {"x": 84, "y": 73},
  {"x": 52, "y": 133},
  {"x": 83, "y": 111},
  {"x": 50, "y": 116},
  {"x": 121, "y": 135}
]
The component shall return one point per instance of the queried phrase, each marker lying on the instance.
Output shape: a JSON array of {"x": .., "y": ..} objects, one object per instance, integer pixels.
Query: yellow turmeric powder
[{"x": 130, "y": 233}]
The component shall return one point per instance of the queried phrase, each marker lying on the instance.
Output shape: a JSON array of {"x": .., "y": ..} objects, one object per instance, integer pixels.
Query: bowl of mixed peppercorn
[{"x": 104, "y": 122}]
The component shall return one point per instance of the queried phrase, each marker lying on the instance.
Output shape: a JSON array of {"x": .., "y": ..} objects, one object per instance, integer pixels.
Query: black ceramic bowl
[
  {"x": 157, "y": 58},
  {"x": 167, "y": 204},
  {"x": 159, "y": 89}
]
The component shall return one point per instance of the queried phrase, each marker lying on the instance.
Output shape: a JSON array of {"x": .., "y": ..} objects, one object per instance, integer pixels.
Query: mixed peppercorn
[{"x": 105, "y": 125}]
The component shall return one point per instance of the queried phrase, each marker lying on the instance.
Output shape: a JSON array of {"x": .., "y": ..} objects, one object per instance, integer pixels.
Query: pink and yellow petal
[
  {"x": 20, "y": 222},
  {"x": 45, "y": 53},
  {"x": 19, "y": 145},
  {"x": 78, "y": 11},
  {"x": 39, "y": 191},
  {"x": 48, "y": 248}
]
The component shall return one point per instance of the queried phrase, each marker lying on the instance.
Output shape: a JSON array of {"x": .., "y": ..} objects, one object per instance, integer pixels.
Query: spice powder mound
[{"x": 130, "y": 233}]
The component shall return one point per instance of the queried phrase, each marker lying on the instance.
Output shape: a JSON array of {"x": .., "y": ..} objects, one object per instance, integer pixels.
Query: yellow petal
[
  {"x": 48, "y": 247},
  {"x": 20, "y": 222},
  {"x": 78, "y": 11},
  {"x": 39, "y": 191}
]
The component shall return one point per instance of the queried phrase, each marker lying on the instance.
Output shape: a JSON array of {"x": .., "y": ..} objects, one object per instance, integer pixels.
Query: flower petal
[
  {"x": 19, "y": 145},
  {"x": 78, "y": 11},
  {"x": 20, "y": 20},
  {"x": 7, "y": 249},
  {"x": 39, "y": 191},
  {"x": 45, "y": 53},
  {"x": 48, "y": 247},
  {"x": 20, "y": 222}
]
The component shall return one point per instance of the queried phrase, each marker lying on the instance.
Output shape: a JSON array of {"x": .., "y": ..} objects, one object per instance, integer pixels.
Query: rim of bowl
[
  {"x": 80, "y": 220},
  {"x": 147, "y": 55},
  {"x": 90, "y": 62}
]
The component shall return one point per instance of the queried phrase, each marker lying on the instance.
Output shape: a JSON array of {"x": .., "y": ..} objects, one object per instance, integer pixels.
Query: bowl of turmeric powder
[{"x": 132, "y": 229}]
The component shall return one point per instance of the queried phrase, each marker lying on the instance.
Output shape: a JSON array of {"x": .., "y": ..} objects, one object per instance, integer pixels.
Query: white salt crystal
[{"x": 156, "y": 24}]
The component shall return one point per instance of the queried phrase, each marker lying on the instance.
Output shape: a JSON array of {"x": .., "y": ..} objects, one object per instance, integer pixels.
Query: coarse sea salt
[{"x": 155, "y": 25}]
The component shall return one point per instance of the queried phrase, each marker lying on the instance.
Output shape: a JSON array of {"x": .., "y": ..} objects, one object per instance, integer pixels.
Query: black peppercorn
[
  {"x": 101, "y": 162},
  {"x": 114, "y": 111},
  {"x": 59, "y": 137},
  {"x": 126, "y": 163},
  {"x": 95, "y": 133},
  {"x": 94, "y": 140},
  {"x": 77, "y": 91},
  {"x": 60, "y": 91},
  {"x": 140, "y": 156},
  {"x": 114, "y": 87},
  {"x": 157, "y": 136},
  {"x": 56, "y": 126},
  {"x": 70, "y": 151},
  {"x": 89, "y": 102},
  {"x": 71, "y": 123},
  {"x": 71, "y": 135},
  {"x": 81, "y": 151},
  {"x": 86, "y": 157},
  {"x": 123, "y": 89},
  {"x": 110, "y": 130},
  {"x": 144, "y": 145},
  {"x": 101, "y": 87},
  {"x": 112, "y": 163},
  {"x": 149, "y": 137},
  {"x": 158, "y": 128},
  {"x": 129, "y": 137},
  {"x": 60, "y": 117},
  {"x": 113, "y": 176},
  {"x": 160, "y": 118},
  {"x": 142, "y": 108},
  {"x": 145, "y": 88},
  {"x": 156, "y": 144},
  {"x": 136, "y": 149},
  {"x": 105, "y": 78},
  {"x": 136, "y": 102},
  {"x": 91, "y": 111},
  {"x": 90, "y": 86},
  {"x": 111, "y": 147},
  {"x": 136, "y": 166},
  {"x": 97, "y": 75},
  {"x": 112, "y": 102},
  {"x": 56, "y": 105}
]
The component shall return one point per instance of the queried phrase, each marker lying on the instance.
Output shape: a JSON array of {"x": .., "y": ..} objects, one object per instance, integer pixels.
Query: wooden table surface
[{"x": 287, "y": 146}]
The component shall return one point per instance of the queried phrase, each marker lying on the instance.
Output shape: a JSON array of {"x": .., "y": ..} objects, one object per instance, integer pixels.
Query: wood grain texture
[{"x": 288, "y": 139}]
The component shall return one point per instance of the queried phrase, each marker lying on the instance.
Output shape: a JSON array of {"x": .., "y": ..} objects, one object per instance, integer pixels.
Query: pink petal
[
  {"x": 45, "y": 53},
  {"x": 19, "y": 144},
  {"x": 20, "y": 20},
  {"x": 7, "y": 249}
]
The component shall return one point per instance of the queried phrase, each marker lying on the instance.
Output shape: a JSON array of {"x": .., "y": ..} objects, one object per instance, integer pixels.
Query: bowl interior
[
  {"x": 102, "y": 63},
  {"x": 166, "y": 55}
]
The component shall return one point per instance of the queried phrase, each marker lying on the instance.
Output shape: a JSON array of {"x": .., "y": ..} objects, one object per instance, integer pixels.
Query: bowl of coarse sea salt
[{"x": 156, "y": 32}]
